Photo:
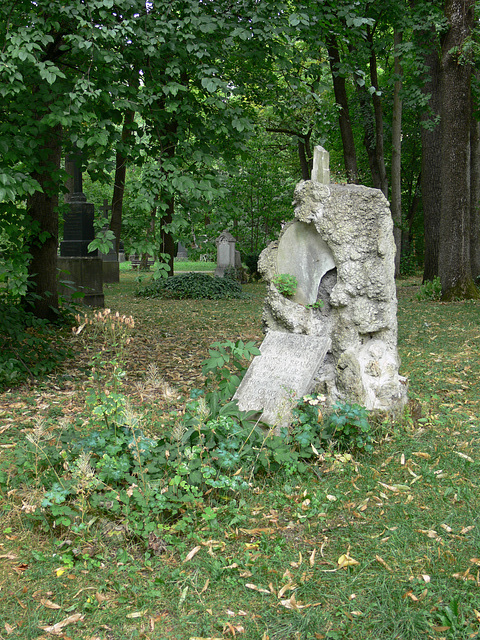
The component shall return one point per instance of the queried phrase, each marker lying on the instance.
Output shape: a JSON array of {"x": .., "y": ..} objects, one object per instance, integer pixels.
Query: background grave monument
[
  {"x": 182, "y": 253},
  {"x": 226, "y": 253},
  {"x": 341, "y": 249},
  {"x": 80, "y": 269}
]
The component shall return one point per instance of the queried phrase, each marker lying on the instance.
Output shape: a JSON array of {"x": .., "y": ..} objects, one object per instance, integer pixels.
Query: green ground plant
[
  {"x": 286, "y": 284},
  {"x": 430, "y": 290},
  {"x": 193, "y": 285}
]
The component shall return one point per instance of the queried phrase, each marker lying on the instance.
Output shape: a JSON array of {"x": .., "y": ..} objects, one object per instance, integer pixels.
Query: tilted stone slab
[{"x": 285, "y": 370}]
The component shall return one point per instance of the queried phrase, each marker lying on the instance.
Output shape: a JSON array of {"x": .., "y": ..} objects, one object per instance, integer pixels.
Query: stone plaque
[
  {"x": 284, "y": 371},
  {"x": 304, "y": 254}
]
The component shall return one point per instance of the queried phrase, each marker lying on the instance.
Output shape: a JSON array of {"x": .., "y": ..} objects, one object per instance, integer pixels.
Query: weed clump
[
  {"x": 430, "y": 290},
  {"x": 197, "y": 286}
]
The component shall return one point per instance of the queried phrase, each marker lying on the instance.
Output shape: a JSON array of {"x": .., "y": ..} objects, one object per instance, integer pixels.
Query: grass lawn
[
  {"x": 179, "y": 266},
  {"x": 375, "y": 547}
]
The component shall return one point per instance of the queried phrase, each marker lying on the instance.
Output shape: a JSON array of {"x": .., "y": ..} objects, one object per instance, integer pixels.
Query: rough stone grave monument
[
  {"x": 79, "y": 268},
  {"x": 341, "y": 250}
]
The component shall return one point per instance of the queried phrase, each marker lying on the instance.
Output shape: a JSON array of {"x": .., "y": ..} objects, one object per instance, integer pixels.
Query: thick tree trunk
[
  {"x": 431, "y": 134},
  {"x": 119, "y": 184},
  {"x": 341, "y": 98},
  {"x": 454, "y": 254},
  {"x": 475, "y": 197},
  {"x": 396, "y": 198},
  {"x": 42, "y": 207}
]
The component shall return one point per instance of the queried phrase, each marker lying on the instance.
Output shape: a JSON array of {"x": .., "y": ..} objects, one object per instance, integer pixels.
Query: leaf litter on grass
[{"x": 407, "y": 515}]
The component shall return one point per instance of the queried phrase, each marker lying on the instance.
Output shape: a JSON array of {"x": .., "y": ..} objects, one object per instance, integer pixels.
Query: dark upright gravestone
[
  {"x": 78, "y": 229},
  {"x": 80, "y": 269}
]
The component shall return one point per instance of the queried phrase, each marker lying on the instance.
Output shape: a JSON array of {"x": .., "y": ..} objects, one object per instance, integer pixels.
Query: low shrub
[
  {"x": 193, "y": 285},
  {"x": 345, "y": 428},
  {"x": 430, "y": 290}
]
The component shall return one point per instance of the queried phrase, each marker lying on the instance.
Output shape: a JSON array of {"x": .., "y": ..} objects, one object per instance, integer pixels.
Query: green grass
[
  {"x": 179, "y": 266},
  {"x": 408, "y": 514}
]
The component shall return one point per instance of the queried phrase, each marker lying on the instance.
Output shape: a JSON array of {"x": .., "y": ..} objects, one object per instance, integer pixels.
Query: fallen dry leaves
[{"x": 57, "y": 629}]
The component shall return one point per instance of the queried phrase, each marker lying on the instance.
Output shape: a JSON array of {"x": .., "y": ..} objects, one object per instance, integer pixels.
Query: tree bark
[
  {"x": 42, "y": 207},
  {"x": 454, "y": 250},
  {"x": 167, "y": 239},
  {"x": 378, "y": 116},
  {"x": 304, "y": 149},
  {"x": 475, "y": 197},
  {"x": 431, "y": 134},
  {"x": 345, "y": 124},
  {"x": 119, "y": 183},
  {"x": 396, "y": 197}
]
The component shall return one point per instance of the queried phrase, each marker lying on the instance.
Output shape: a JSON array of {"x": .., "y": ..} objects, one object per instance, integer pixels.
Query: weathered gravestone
[
  {"x": 340, "y": 247},
  {"x": 227, "y": 256},
  {"x": 285, "y": 369},
  {"x": 182, "y": 253},
  {"x": 80, "y": 270}
]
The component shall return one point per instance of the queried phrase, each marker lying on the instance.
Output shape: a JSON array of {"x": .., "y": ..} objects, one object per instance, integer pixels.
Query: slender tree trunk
[
  {"x": 304, "y": 150},
  {"x": 454, "y": 254},
  {"x": 368, "y": 134},
  {"x": 167, "y": 239},
  {"x": 341, "y": 98},
  {"x": 119, "y": 183},
  {"x": 396, "y": 197},
  {"x": 415, "y": 199},
  {"x": 42, "y": 207},
  {"x": 378, "y": 116},
  {"x": 431, "y": 134},
  {"x": 304, "y": 164}
]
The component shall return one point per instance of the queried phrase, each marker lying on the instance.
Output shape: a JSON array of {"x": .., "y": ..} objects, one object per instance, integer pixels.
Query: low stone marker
[
  {"x": 182, "y": 253},
  {"x": 283, "y": 372},
  {"x": 226, "y": 253}
]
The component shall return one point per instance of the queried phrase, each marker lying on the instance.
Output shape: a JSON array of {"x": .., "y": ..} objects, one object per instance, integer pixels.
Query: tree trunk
[
  {"x": 431, "y": 134},
  {"x": 475, "y": 197},
  {"x": 396, "y": 199},
  {"x": 454, "y": 254},
  {"x": 167, "y": 239},
  {"x": 341, "y": 98},
  {"x": 42, "y": 207},
  {"x": 304, "y": 164},
  {"x": 378, "y": 115},
  {"x": 120, "y": 173}
]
